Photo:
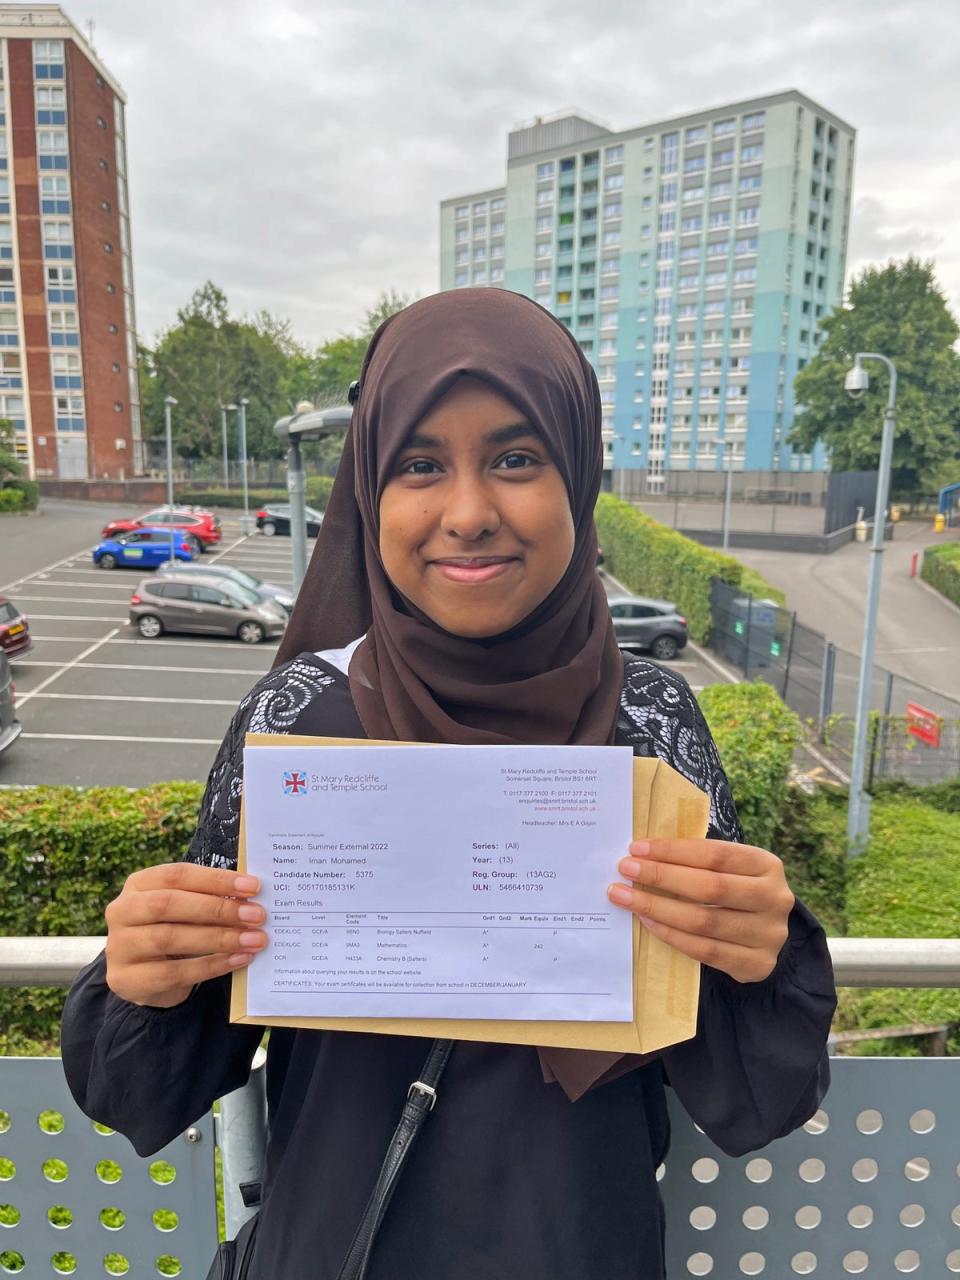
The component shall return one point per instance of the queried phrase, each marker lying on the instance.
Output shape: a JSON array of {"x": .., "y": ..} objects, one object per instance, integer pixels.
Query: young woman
[{"x": 453, "y": 597}]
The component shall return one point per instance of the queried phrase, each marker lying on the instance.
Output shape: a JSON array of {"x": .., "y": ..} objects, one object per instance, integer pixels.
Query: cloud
[{"x": 296, "y": 153}]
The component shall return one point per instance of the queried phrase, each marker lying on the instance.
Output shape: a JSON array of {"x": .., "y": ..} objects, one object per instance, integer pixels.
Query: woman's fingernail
[
  {"x": 630, "y": 867},
  {"x": 251, "y": 939},
  {"x": 250, "y": 913},
  {"x": 246, "y": 884},
  {"x": 620, "y": 894},
  {"x": 639, "y": 848},
  {"x": 241, "y": 958}
]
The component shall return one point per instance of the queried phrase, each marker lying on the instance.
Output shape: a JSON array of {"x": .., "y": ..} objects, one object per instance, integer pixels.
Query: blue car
[{"x": 141, "y": 549}]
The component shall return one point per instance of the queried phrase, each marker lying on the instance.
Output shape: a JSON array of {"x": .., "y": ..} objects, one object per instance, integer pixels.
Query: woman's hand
[
  {"x": 727, "y": 906},
  {"x": 176, "y": 925}
]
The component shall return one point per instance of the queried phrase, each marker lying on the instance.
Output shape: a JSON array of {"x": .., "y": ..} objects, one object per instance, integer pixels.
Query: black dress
[{"x": 510, "y": 1179}]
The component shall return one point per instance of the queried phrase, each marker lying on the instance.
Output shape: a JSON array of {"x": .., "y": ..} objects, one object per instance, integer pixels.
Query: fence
[
  {"x": 868, "y": 1185},
  {"x": 915, "y": 730}
]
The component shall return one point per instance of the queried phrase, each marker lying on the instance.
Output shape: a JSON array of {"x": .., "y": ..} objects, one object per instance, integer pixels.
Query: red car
[
  {"x": 201, "y": 528},
  {"x": 14, "y": 630}
]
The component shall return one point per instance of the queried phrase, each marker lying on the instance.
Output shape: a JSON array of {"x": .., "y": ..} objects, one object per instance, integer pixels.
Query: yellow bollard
[
  {"x": 895, "y": 515},
  {"x": 939, "y": 522}
]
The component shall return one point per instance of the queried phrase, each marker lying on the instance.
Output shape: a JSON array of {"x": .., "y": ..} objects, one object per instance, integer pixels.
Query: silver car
[
  {"x": 642, "y": 622},
  {"x": 204, "y": 606},
  {"x": 10, "y": 726},
  {"x": 265, "y": 590}
]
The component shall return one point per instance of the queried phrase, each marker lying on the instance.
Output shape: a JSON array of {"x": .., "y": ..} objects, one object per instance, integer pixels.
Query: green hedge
[
  {"x": 317, "y": 491},
  {"x": 941, "y": 568},
  {"x": 12, "y": 500},
  {"x": 653, "y": 560},
  {"x": 756, "y": 735},
  {"x": 29, "y": 488}
]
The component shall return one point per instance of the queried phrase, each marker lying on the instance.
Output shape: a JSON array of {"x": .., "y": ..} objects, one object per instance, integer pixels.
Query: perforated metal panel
[
  {"x": 870, "y": 1187},
  {"x": 90, "y": 1222}
]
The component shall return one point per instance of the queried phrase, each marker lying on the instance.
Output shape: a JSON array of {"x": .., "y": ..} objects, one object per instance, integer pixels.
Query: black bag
[{"x": 233, "y": 1256}]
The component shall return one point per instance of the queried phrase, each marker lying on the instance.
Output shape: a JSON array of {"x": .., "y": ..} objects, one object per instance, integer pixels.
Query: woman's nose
[{"x": 470, "y": 513}]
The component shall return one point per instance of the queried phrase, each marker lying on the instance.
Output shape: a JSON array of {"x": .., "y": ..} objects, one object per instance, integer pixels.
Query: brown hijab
[{"x": 554, "y": 678}]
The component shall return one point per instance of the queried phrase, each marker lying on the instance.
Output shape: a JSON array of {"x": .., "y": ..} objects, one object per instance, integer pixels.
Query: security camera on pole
[{"x": 858, "y": 813}]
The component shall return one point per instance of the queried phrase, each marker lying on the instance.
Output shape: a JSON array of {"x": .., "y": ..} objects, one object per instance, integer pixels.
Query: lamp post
[
  {"x": 224, "y": 410},
  {"x": 858, "y": 812},
  {"x": 726, "y": 449},
  {"x": 246, "y": 525},
  {"x": 168, "y": 403},
  {"x": 621, "y": 476}
]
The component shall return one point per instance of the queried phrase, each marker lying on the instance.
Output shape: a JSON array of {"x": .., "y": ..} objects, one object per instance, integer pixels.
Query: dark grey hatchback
[
  {"x": 643, "y": 623},
  {"x": 10, "y": 726}
]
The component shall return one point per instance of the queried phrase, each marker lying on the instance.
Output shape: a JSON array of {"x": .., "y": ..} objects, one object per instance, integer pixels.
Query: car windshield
[
  {"x": 8, "y": 612},
  {"x": 242, "y": 594},
  {"x": 242, "y": 579}
]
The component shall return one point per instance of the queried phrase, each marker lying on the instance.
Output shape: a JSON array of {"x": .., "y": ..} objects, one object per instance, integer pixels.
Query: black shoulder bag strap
[{"x": 421, "y": 1099}]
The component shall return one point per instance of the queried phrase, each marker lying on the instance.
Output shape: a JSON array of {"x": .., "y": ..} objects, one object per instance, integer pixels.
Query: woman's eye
[
  {"x": 418, "y": 467},
  {"x": 516, "y": 461}
]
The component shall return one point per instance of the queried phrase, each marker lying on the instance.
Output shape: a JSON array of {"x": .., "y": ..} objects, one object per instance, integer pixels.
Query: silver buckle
[{"x": 426, "y": 1089}]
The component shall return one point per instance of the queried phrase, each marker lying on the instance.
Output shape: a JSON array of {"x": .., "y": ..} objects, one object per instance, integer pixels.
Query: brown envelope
[{"x": 666, "y": 984}]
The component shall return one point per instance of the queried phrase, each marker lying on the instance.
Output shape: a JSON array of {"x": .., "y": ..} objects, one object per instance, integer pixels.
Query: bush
[
  {"x": 756, "y": 735},
  {"x": 232, "y": 498},
  {"x": 12, "y": 500},
  {"x": 811, "y": 837},
  {"x": 29, "y": 488},
  {"x": 653, "y": 560},
  {"x": 941, "y": 568},
  {"x": 318, "y": 491},
  {"x": 67, "y": 852}
]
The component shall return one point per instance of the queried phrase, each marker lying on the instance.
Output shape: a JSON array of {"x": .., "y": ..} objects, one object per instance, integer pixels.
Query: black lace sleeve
[
  {"x": 273, "y": 705},
  {"x": 659, "y": 716}
]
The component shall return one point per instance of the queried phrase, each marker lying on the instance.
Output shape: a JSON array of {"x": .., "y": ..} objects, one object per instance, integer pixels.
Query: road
[{"x": 918, "y": 631}]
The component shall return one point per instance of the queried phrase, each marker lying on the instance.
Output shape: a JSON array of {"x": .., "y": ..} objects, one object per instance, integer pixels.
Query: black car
[
  {"x": 644, "y": 623},
  {"x": 276, "y": 519},
  {"x": 10, "y": 726}
]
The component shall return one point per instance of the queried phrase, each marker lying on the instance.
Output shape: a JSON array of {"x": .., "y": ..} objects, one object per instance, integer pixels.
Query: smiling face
[{"x": 475, "y": 522}]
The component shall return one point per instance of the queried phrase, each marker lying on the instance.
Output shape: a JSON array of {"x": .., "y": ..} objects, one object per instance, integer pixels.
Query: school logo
[{"x": 294, "y": 783}]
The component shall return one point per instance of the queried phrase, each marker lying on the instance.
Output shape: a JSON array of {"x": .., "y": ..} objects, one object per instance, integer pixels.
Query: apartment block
[
  {"x": 692, "y": 258},
  {"x": 68, "y": 350}
]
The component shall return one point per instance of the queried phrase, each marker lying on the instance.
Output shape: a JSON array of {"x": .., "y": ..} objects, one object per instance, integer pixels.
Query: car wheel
[
  {"x": 107, "y": 561},
  {"x": 268, "y": 528},
  {"x": 250, "y": 632},
  {"x": 664, "y": 648},
  {"x": 195, "y": 545},
  {"x": 149, "y": 626}
]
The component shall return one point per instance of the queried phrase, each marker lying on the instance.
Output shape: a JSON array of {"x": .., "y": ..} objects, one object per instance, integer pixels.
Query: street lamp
[
  {"x": 858, "y": 812},
  {"x": 726, "y": 452},
  {"x": 246, "y": 524},
  {"x": 168, "y": 403},
  {"x": 224, "y": 410},
  {"x": 621, "y": 476},
  {"x": 305, "y": 423}
]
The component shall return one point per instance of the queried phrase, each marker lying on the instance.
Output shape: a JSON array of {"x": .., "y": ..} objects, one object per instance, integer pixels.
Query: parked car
[
  {"x": 276, "y": 519},
  {"x": 10, "y": 726},
  {"x": 643, "y": 623},
  {"x": 142, "y": 548},
  {"x": 15, "y": 638},
  {"x": 204, "y": 605},
  {"x": 201, "y": 527},
  {"x": 265, "y": 590}
]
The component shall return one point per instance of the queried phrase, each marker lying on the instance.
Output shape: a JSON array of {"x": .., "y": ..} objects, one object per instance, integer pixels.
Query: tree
[
  {"x": 899, "y": 311},
  {"x": 10, "y": 465}
]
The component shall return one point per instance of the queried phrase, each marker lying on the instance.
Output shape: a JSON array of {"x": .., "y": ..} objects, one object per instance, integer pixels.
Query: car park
[
  {"x": 643, "y": 623},
  {"x": 15, "y": 638},
  {"x": 275, "y": 518},
  {"x": 201, "y": 527},
  {"x": 143, "y": 548},
  {"x": 10, "y": 727},
  {"x": 204, "y": 606},
  {"x": 265, "y": 590}
]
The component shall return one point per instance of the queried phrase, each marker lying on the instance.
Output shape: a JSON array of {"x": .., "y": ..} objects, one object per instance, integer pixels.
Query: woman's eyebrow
[{"x": 500, "y": 435}]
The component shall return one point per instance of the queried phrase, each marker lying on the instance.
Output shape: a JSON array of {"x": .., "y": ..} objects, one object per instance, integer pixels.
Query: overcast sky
[{"x": 295, "y": 151}]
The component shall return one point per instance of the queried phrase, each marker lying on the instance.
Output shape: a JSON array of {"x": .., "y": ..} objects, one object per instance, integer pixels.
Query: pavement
[
  {"x": 98, "y": 704},
  {"x": 918, "y": 631}
]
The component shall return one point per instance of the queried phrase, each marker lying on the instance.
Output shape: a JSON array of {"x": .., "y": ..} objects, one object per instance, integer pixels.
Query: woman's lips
[{"x": 474, "y": 569}]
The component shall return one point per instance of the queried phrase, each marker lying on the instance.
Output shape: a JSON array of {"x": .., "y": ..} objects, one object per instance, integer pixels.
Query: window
[
  {"x": 461, "y": 257},
  {"x": 689, "y": 253},
  {"x": 664, "y": 279},
  {"x": 715, "y": 279},
  {"x": 496, "y": 228},
  {"x": 48, "y": 59},
  {"x": 752, "y": 183},
  {"x": 749, "y": 215},
  {"x": 479, "y": 252},
  {"x": 751, "y": 154},
  {"x": 51, "y": 105},
  {"x": 692, "y": 194},
  {"x": 692, "y": 223},
  {"x": 611, "y": 238},
  {"x": 480, "y": 207},
  {"x": 668, "y": 193},
  {"x": 52, "y": 149},
  {"x": 613, "y": 155},
  {"x": 461, "y": 211},
  {"x": 613, "y": 182},
  {"x": 57, "y": 239},
  {"x": 721, "y": 158},
  {"x": 544, "y": 249},
  {"x": 608, "y": 291},
  {"x": 568, "y": 164},
  {"x": 665, "y": 251},
  {"x": 545, "y": 196},
  {"x": 608, "y": 346},
  {"x": 668, "y": 221},
  {"x": 613, "y": 209},
  {"x": 498, "y": 205},
  {"x": 564, "y": 298},
  {"x": 754, "y": 121},
  {"x": 480, "y": 275},
  {"x": 542, "y": 275},
  {"x": 545, "y": 222},
  {"x": 461, "y": 234},
  {"x": 719, "y": 189},
  {"x": 696, "y": 133},
  {"x": 54, "y": 193},
  {"x": 693, "y": 164},
  {"x": 546, "y": 170},
  {"x": 480, "y": 230},
  {"x": 745, "y": 275},
  {"x": 568, "y": 192},
  {"x": 747, "y": 244},
  {"x": 717, "y": 248},
  {"x": 720, "y": 219}
]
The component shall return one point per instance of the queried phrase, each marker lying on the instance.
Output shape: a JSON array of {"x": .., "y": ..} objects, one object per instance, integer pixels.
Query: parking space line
[
  {"x": 109, "y": 737},
  {"x": 64, "y": 600},
  {"x": 136, "y": 666},
  {"x": 81, "y": 586},
  {"x": 75, "y": 617},
  {"x": 9, "y": 586},
  {"x": 63, "y": 669},
  {"x": 220, "y": 554},
  {"x": 187, "y": 645},
  {"x": 122, "y": 697}
]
